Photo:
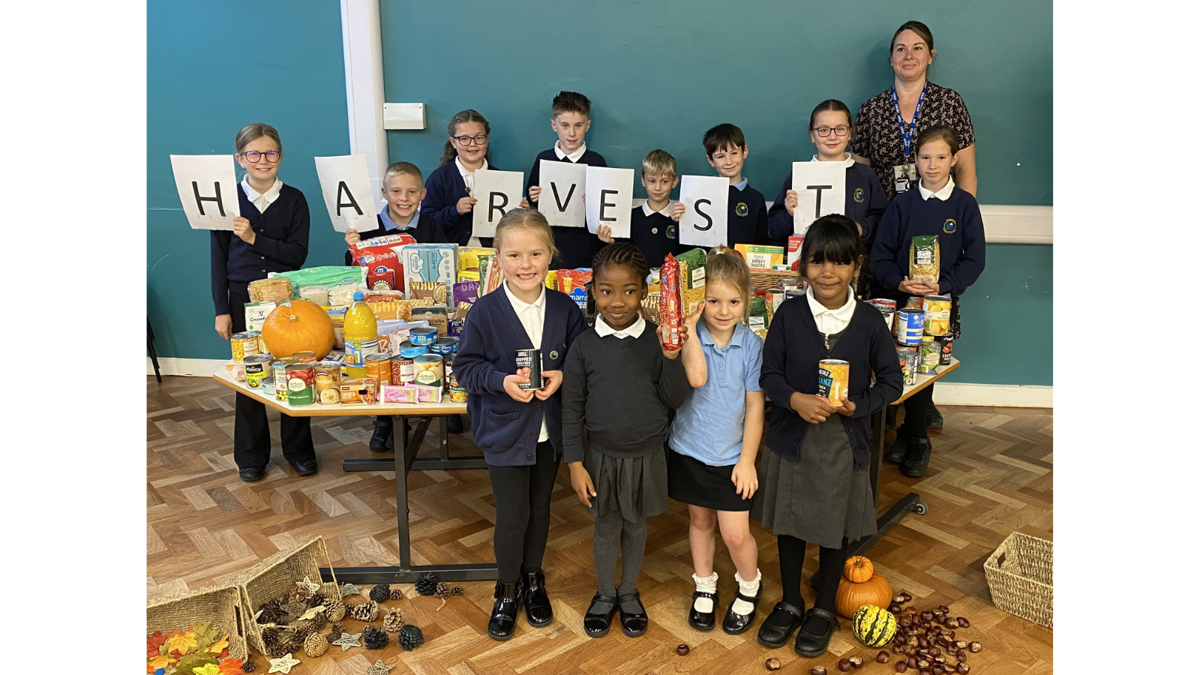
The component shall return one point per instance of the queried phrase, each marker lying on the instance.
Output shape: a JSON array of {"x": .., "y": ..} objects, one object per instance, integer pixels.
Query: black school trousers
[
  {"x": 522, "y": 495},
  {"x": 251, "y": 435}
]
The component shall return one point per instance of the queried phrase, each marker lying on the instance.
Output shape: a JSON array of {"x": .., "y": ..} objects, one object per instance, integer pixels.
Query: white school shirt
[
  {"x": 574, "y": 156},
  {"x": 830, "y": 321},
  {"x": 943, "y": 194},
  {"x": 666, "y": 210},
  {"x": 848, "y": 162},
  {"x": 469, "y": 176},
  {"x": 532, "y": 315},
  {"x": 262, "y": 201},
  {"x": 633, "y": 331}
]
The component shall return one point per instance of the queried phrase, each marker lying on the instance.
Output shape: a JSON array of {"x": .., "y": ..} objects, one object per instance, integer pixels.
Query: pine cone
[
  {"x": 380, "y": 593},
  {"x": 374, "y": 638},
  {"x": 319, "y": 621},
  {"x": 317, "y": 598},
  {"x": 335, "y": 610},
  {"x": 336, "y": 629},
  {"x": 457, "y": 590},
  {"x": 279, "y": 649},
  {"x": 393, "y": 622},
  {"x": 304, "y": 629},
  {"x": 300, "y": 593},
  {"x": 247, "y": 666},
  {"x": 397, "y": 594},
  {"x": 368, "y": 611},
  {"x": 316, "y": 645},
  {"x": 443, "y": 590},
  {"x": 410, "y": 637},
  {"x": 271, "y": 611},
  {"x": 273, "y": 635},
  {"x": 427, "y": 583},
  {"x": 294, "y": 647}
]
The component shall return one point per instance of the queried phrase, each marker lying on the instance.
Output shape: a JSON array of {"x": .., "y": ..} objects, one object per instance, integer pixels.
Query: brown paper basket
[
  {"x": 220, "y": 605},
  {"x": 1020, "y": 575},
  {"x": 276, "y": 576}
]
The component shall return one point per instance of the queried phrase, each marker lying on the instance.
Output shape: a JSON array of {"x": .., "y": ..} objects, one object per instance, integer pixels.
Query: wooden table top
[
  {"x": 446, "y": 407},
  {"x": 926, "y": 380}
]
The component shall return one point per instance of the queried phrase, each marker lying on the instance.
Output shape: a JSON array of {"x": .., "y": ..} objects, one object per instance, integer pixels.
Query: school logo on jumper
[
  {"x": 670, "y": 232},
  {"x": 949, "y": 226},
  {"x": 741, "y": 209},
  {"x": 553, "y": 356},
  {"x": 858, "y": 195}
]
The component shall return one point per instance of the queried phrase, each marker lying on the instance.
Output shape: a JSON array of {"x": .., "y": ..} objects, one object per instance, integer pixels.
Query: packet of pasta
[
  {"x": 670, "y": 312},
  {"x": 924, "y": 259}
]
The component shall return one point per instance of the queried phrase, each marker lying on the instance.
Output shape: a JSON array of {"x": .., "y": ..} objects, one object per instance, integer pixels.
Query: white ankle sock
[
  {"x": 748, "y": 589},
  {"x": 705, "y": 585}
]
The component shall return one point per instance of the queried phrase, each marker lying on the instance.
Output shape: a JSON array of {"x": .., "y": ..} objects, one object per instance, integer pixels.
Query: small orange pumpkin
[
  {"x": 858, "y": 569},
  {"x": 298, "y": 326},
  {"x": 851, "y": 596}
]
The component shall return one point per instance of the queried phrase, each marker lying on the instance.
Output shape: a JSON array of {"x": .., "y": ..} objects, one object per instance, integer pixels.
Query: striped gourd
[{"x": 874, "y": 626}]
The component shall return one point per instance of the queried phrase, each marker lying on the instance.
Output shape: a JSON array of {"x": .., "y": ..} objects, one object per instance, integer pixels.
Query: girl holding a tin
[
  {"x": 512, "y": 338},
  {"x": 814, "y": 483}
]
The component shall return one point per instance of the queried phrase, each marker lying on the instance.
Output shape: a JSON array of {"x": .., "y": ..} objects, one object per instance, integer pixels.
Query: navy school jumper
[{"x": 445, "y": 186}]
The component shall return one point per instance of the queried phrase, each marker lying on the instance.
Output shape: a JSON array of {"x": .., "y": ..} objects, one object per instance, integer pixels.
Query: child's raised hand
[
  {"x": 745, "y": 479},
  {"x": 465, "y": 204},
  {"x": 677, "y": 210},
  {"x": 241, "y": 227},
  {"x": 847, "y": 408},
  {"x": 810, "y": 407},
  {"x": 918, "y": 287},
  {"x": 534, "y": 191},
  {"x": 512, "y": 387},
  {"x": 791, "y": 202},
  {"x": 352, "y": 237},
  {"x": 551, "y": 381},
  {"x": 694, "y": 318},
  {"x": 581, "y": 482},
  {"x": 604, "y": 232},
  {"x": 524, "y": 204}
]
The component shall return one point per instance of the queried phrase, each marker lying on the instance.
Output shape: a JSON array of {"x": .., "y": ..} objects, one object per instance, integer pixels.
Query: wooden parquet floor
[{"x": 991, "y": 474}]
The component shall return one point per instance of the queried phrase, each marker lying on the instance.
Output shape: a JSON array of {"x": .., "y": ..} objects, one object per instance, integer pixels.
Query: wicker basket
[
  {"x": 769, "y": 279},
  {"x": 1020, "y": 575},
  {"x": 275, "y": 577},
  {"x": 220, "y": 605}
]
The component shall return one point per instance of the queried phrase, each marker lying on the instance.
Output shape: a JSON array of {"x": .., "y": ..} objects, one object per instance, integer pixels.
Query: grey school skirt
[
  {"x": 819, "y": 498},
  {"x": 634, "y": 487}
]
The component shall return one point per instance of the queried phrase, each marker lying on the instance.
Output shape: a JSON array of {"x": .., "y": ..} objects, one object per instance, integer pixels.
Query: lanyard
[{"x": 907, "y": 135}]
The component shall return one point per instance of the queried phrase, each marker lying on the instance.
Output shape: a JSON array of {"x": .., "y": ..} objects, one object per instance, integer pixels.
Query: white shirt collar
[
  {"x": 848, "y": 162},
  {"x": 666, "y": 210},
  {"x": 574, "y": 156},
  {"x": 634, "y": 331},
  {"x": 270, "y": 195},
  {"x": 943, "y": 194},
  {"x": 520, "y": 305},
  {"x": 831, "y": 320},
  {"x": 462, "y": 170}
]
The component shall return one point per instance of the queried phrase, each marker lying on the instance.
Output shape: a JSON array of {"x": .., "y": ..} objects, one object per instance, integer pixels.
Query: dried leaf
[
  {"x": 219, "y": 646},
  {"x": 181, "y": 643},
  {"x": 192, "y": 661},
  {"x": 153, "y": 642}
]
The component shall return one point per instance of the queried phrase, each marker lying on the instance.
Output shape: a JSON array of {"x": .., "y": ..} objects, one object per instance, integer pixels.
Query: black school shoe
[
  {"x": 598, "y": 618},
  {"x": 454, "y": 424},
  {"x": 933, "y": 417},
  {"x": 815, "y": 632},
  {"x": 917, "y": 459},
  {"x": 251, "y": 474},
  {"x": 736, "y": 624},
  {"x": 777, "y": 629},
  {"x": 633, "y": 624},
  {"x": 899, "y": 449},
  {"x": 381, "y": 438},
  {"x": 537, "y": 604},
  {"x": 504, "y": 612},
  {"x": 703, "y": 621},
  {"x": 305, "y": 467}
]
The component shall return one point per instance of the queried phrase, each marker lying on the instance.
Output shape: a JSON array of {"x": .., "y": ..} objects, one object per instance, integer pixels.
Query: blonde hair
[
  {"x": 253, "y": 132},
  {"x": 726, "y": 266},
  {"x": 659, "y": 163},
  {"x": 528, "y": 218},
  {"x": 402, "y": 169}
]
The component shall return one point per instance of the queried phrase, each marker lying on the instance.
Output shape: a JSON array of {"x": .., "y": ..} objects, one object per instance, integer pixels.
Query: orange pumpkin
[
  {"x": 858, "y": 569},
  {"x": 850, "y": 596},
  {"x": 298, "y": 326}
]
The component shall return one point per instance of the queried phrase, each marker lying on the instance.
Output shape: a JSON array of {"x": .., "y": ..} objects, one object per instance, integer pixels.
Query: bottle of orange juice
[{"x": 360, "y": 327}]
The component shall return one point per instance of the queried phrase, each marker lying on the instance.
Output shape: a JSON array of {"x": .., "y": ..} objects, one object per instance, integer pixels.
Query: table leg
[
  {"x": 443, "y": 461},
  {"x": 907, "y": 503}
]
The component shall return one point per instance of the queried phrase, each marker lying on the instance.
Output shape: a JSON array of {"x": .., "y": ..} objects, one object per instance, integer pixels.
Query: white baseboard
[{"x": 946, "y": 393}]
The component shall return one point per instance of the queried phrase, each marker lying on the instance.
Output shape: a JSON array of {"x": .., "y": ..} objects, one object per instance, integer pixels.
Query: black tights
[
  {"x": 915, "y": 409},
  {"x": 522, "y": 495},
  {"x": 791, "y": 563}
]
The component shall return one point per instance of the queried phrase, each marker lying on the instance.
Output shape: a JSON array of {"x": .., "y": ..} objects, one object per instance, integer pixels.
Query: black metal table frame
[{"x": 910, "y": 502}]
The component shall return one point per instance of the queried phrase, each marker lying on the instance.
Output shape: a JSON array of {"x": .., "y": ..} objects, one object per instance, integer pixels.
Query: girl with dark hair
[{"x": 814, "y": 484}]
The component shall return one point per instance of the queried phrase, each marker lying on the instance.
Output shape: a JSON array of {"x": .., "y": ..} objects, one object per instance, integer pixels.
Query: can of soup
[
  {"x": 529, "y": 363},
  {"x": 908, "y": 363},
  {"x": 931, "y": 356},
  {"x": 833, "y": 380},
  {"x": 258, "y": 367},
  {"x": 910, "y": 326},
  {"x": 327, "y": 377},
  {"x": 402, "y": 370},
  {"x": 300, "y": 389}
]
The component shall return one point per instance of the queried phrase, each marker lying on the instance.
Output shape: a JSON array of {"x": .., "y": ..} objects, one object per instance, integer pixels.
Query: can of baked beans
[{"x": 379, "y": 368}]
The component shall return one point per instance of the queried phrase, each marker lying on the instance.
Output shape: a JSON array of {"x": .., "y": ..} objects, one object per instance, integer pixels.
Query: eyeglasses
[
  {"x": 471, "y": 140},
  {"x": 840, "y": 130},
  {"x": 252, "y": 156}
]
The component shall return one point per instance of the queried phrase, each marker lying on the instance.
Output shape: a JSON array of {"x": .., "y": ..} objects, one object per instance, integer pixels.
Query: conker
[
  {"x": 952, "y": 623},
  {"x": 856, "y": 661},
  {"x": 927, "y": 616},
  {"x": 912, "y": 662},
  {"x": 938, "y": 670},
  {"x": 975, "y": 647},
  {"x": 844, "y": 665},
  {"x": 912, "y": 641},
  {"x": 935, "y": 651},
  {"x": 935, "y": 630},
  {"x": 894, "y": 608},
  {"x": 963, "y": 622},
  {"x": 898, "y": 648},
  {"x": 924, "y": 642},
  {"x": 960, "y": 655},
  {"x": 906, "y": 621},
  {"x": 926, "y": 671},
  {"x": 774, "y": 664},
  {"x": 944, "y": 608},
  {"x": 898, "y": 599},
  {"x": 816, "y": 670},
  {"x": 923, "y": 664},
  {"x": 939, "y": 658},
  {"x": 963, "y": 669},
  {"x": 682, "y": 649},
  {"x": 882, "y": 657},
  {"x": 926, "y": 625},
  {"x": 901, "y": 667},
  {"x": 960, "y": 644},
  {"x": 906, "y": 596}
]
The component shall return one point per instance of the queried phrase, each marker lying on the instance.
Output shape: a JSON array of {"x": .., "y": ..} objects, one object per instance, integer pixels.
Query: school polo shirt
[{"x": 709, "y": 425}]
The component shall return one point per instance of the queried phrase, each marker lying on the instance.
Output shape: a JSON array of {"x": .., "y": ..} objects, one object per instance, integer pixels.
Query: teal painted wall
[
  {"x": 658, "y": 73},
  {"x": 210, "y": 71}
]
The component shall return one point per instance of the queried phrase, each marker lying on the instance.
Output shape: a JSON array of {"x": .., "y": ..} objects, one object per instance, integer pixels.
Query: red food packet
[
  {"x": 670, "y": 312},
  {"x": 378, "y": 255},
  {"x": 574, "y": 283}
]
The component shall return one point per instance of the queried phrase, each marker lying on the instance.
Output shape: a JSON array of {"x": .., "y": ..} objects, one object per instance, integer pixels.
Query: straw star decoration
[
  {"x": 348, "y": 640},
  {"x": 350, "y": 589},
  {"x": 283, "y": 664},
  {"x": 380, "y": 668},
  {"x": 312, "y": 613},
  {"x": 311, "y": 585}
]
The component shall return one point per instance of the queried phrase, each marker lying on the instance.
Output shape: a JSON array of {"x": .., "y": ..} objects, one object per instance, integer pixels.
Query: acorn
[{"x": 682, "y": 649}]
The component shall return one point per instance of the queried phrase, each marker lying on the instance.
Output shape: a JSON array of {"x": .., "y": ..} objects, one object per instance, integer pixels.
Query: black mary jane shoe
[
  {"x": 818, "y": 627},
  {"x": 633, "y": 624},
  {"x": 504, "y": 612},
  {"x": 774, "y": 633},
  {"x": 251, "y": 474},
  {"x": 537, "y": 604},
  {"x": 736, "y": 624},
  {"x": 703, "y": 621},
  {"x": 598, "y": 618}
]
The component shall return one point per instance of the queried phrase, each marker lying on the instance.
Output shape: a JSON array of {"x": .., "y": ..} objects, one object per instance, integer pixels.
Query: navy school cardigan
[
  {"x": 865, "y": 203},
  {"x": 791, "y": 354},
  {"x": 444, "y": 187},
  {"x": 506, "y": 430}
]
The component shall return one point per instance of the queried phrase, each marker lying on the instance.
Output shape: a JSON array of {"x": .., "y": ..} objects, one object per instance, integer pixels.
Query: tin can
[
  {"x": 243, "y": 345},
  {"x": 402, "y": 370},
  {"x": 910, "y": 326},
  {"x": 451, "y": 378},
  {"x": 410, "y": 351},
  {"x": 305, "y": 357},
  {"x": 908, "y": 363},
  {"x": 458, "y": 394},
  {"x": 422, "y": 336},
  {"x": 279, "y": 374},
  {"x": 887, "y": 308},
  {"x": 258, "y": 367},
  {"x": 931, "y": 356},
  {"x": 327, "y": 378},
  {"x": 427, "y": 369},
  {"x": 529, "y": 363},
  {"x": 300, "y": 390},
  {"x": 445, "y": 345},
  {"x": 379, "y": 368},
  {"x": 937, "y": 314},
  {"x": 358, "y": 350},
  {"x": 833, "y": 380},
  {"x": 947, "y": 347},
  {"x": 268, "y": 386}
]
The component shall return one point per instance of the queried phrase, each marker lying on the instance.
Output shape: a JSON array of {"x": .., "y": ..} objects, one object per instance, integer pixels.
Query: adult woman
[{"x": 888, "y": 123}]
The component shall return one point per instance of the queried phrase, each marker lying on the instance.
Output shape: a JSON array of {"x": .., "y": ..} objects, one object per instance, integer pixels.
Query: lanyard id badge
[{"x": 906, "y": 174}]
